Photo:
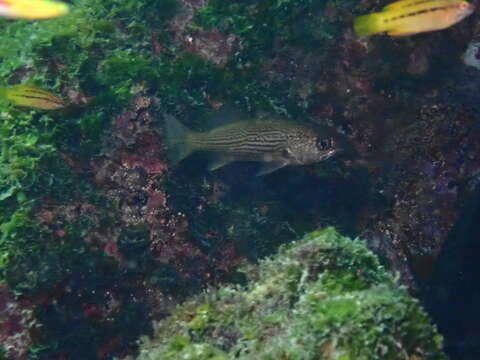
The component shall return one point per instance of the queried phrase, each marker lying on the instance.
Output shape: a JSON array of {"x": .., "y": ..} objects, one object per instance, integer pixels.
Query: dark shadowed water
[{"x": 452, "y": 294}]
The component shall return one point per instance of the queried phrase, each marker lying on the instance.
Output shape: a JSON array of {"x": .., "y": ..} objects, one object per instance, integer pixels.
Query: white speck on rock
[{"x": 471, "y": 56}]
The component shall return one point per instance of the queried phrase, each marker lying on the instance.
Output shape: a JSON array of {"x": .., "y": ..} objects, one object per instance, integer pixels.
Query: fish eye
[{"x": 324, "y": 144}]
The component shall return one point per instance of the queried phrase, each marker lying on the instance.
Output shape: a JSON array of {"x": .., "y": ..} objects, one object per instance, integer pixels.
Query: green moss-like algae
[
  {"x": 324, "y": 297},
  {"x": 87, "y": 54}
]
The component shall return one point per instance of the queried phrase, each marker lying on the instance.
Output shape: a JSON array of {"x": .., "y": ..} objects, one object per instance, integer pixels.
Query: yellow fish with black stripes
[
  {"x": 32, "y": 96},
  {"x": 409, "y": 17}
]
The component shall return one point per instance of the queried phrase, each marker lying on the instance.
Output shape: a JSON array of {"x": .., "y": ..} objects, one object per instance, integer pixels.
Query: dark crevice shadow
[{"x": 452, "y": 296}]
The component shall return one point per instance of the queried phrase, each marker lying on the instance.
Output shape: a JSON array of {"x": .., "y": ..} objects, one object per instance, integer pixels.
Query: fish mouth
[
  {"x": 467, "y": 12},
  {"x": 328, "y": 154},
  {"x": 471, "y": 9},
  {"x": 334, "y": 152}
]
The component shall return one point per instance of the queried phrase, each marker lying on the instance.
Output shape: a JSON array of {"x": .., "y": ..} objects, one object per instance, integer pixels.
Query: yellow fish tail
[{"x": 371, "y": 24}]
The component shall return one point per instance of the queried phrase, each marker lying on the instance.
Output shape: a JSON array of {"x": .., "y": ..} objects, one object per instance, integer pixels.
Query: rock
[{"x": 325, "y": 296}]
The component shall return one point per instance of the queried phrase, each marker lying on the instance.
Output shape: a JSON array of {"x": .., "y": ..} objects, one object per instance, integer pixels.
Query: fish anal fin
[
  {"x": 219, "y": 160},
  {"x": 269, "y": 167}
]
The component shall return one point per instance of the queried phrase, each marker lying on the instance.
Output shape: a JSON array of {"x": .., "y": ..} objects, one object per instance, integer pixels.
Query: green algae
[
  {"x": 264, "y": 24},
  {"x": 37, "y": 150},
  {"x": 325, "y": 296}
]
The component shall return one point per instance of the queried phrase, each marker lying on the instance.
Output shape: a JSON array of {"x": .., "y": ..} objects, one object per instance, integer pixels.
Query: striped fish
[
  {"x": 408, "y": 17},
  {"x": 274, "y": 143},
  {"x": 32, "y": 96}
]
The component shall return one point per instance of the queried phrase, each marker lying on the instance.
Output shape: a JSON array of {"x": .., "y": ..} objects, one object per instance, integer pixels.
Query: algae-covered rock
[{"x": 323, "y": 297}]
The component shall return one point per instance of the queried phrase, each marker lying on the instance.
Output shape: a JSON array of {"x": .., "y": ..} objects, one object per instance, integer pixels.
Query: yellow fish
[
  {"x": 32, "y": 9},
  {"x": 32, "y": 96},
  {"x": 408, "y": 17}
]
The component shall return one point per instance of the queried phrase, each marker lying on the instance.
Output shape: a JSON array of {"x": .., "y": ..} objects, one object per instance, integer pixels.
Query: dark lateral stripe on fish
[
  {"x": 53, "y": 100},
  {"x": 233, "y": 139},
  {"x": 242, "y": 145},
  {"x": 258, "y": 139},
  {"x": 416, "y": 13},
  {"x": 265, "y": 138},
  {"x": 252, "y": 150},
  {"x": 47, "y": 96},
  {"x": 35, "y": 90},
  {"x": 263, "y": 133},
  {"x": 414, "y": 3},
  {"x": 35, "y": 93},
  {"x": 217, "y": 140},
  {"x": 257, "y": 145}
]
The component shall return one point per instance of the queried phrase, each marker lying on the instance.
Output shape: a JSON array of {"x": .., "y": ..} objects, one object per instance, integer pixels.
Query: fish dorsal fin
[
  {"x": 219, "y": 160},
  {"x": 401, "y": 4},
  {"x": 269, "y": 167}
]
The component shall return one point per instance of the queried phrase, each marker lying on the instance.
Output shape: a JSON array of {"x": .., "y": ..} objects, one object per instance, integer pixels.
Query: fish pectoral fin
[
  {"x": 269, "y": 167},
  {"x": 219, "y": 160}
]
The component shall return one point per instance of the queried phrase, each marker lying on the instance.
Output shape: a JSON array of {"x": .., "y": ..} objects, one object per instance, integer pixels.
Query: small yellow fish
[
  {"x": 32, "y": 96},
  {"x": 32, "y": 9},
  {"x": 408, "y": 17}
]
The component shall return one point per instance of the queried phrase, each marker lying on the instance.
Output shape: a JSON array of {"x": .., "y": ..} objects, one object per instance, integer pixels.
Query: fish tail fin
[
  {"x": 371, "y": 24},
  {"x": 178, "y": 139}
]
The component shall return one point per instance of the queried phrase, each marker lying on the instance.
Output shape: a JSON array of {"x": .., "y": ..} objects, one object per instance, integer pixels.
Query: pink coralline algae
[
  {"x": 132, "y": 175},
  {"x": 16, "y": 321},
  {"x": 211, "y": 45}
]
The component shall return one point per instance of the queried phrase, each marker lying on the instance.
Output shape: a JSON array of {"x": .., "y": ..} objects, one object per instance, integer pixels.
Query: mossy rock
[{"x": 323, "y": 297}]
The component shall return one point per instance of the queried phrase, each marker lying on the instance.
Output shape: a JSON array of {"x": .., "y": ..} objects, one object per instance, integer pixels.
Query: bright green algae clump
[{"x": 324, "y": 297}]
